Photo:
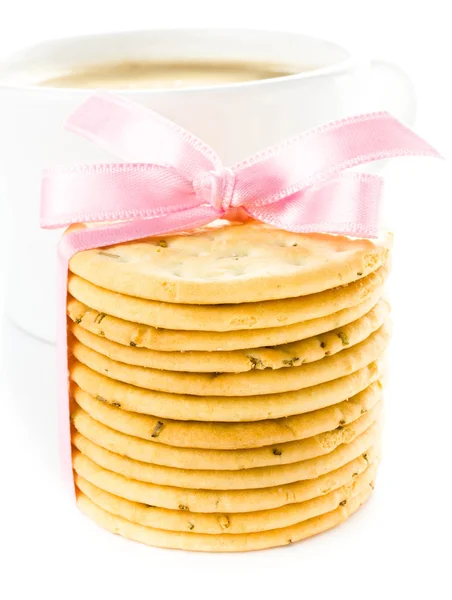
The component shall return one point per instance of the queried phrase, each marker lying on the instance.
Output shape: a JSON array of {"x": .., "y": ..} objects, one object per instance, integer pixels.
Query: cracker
[
  {"x": 166, "y": 340},
  {"x": 226, "y": 523},
  {"x": 236, "y": 263},
  {"x": 219, "y": 501},
  {"x": 226, "y": 317},
  {"x": 238, "y": 361},
  {"x": 221, "y": 543},
  {"x": 215, "y": 408},
  {"x": 188, "y": 458},
  {"x": 214, "y": 479},
  {"x": 238, "y": 384},
  {"x": 254, "y": 444}
]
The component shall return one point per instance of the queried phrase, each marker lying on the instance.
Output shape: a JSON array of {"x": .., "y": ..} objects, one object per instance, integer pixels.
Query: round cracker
[
  {"x": 194, "y": 458},
  {"x": 232, "y": 523},
  {"x": 220, "y": 543},
  {"x": 312, "y": 435},
  {"x": 169, "y": 340},
  {"x": 214, "y": 479},
  {"x": 215, "y": 408},
  {"x": 219, "y": 501},
  {"x": 247, "y": 262},
  {"x": 238, "y": 384},
  {"x": 226, "y": 317},
  {"x": 238, "y": 361}
]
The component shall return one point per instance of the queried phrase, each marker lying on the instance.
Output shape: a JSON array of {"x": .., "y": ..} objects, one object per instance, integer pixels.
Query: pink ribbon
[
  {"x": 180, "y": 183},
  {"x": 299, "y": 185}
]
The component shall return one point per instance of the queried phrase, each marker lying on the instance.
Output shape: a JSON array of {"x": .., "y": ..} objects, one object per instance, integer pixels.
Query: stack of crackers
[{"x": 225, "y": 384}]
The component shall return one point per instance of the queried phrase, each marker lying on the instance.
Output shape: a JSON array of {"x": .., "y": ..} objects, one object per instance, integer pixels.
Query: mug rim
[{"x": 53, "y": 44}]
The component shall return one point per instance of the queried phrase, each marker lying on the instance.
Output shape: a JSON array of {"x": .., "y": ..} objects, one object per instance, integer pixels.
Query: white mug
[{"x": 236, "y": 119}]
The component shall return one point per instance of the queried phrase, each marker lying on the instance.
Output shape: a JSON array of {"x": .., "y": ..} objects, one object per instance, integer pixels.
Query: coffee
[{"x": 154, "y": 75}]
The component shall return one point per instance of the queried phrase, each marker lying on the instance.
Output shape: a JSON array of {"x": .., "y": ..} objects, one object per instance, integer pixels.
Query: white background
[{"x": 399, "y": 544}]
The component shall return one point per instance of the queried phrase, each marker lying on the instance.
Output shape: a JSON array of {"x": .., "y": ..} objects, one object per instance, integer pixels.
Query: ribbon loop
[{"x": 300, "y": 185}]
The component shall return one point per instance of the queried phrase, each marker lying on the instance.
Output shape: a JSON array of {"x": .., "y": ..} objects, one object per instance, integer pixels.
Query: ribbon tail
[
  {"x": 137, "y": 134},
  {"x": 112, "y": 192},
  {"x": 86, "y": 238},
  {"x": 318, "y": 156},
  {"x": 347, "y": 205}
]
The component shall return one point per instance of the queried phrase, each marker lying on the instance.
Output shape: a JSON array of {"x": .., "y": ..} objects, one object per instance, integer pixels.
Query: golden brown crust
[
  {"x": 239, "y": 361},
  {"x": 165, "y": 340},
  {"x": 221, "y": 543},
  {"x": 239, "y": 384},
  {"x": 215, "y": 408},
  {"x": 214, "y": 479},
  {"x": 215, "y": 501},
  {"x": 226, "y": 317},
  {"x": 249, "y": 262},
  {"x": 225, "y": 445},
  {"x": 227, "y": 523}
]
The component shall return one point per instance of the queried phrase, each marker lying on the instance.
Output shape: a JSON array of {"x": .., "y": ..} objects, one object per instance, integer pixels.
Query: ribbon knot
[
  {"x": 216, "y": 187},
  {"x": 301, "y": 185}
]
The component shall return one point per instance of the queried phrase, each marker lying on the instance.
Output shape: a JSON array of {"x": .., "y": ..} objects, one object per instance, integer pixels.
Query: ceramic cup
[{"x": 236, "y": 119}]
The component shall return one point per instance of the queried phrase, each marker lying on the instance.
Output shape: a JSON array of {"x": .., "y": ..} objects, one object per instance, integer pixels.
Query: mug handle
[{"x": 393, "y": 90}]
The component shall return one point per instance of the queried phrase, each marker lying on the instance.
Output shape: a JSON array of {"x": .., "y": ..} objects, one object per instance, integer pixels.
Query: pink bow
[{"x": 180, "y": 183}]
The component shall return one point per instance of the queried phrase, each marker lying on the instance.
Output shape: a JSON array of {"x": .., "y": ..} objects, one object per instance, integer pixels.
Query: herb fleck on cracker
[
  {"x": 157, "y": 429},
  {"x": 132, "y": 344},
  {"x": 322, "y": 345},
  {"x": 109, "y": 254},
  {"x": 344, "y": 337},
  {"x": 277, "y": 452},
  {"x": 78, "y": 320},
  {"x": 359, "y": 273},
  {"x": 116, "y": 404},
  {"x": 100, "y": 398},
  {"x": 163, "y": 244},
  {"x": 342, "y": 422},
  {"x": 183, "y": 507},
  {"x": 99, "y": 318},
  {"x": 289, "y": 362},
  {"x": 343, "y": 503},
  {"x": 190, "y": 526},
  {"x": 255, "y": 362}
]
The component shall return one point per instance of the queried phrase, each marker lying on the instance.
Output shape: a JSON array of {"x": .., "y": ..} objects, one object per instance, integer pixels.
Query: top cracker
[{"x": 226, "y": 263}]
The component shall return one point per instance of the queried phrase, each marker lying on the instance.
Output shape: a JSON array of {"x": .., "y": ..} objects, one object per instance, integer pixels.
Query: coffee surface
[{"x": 154, "y": 75}]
